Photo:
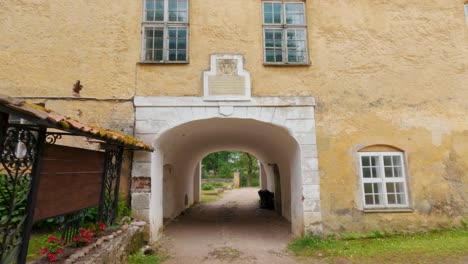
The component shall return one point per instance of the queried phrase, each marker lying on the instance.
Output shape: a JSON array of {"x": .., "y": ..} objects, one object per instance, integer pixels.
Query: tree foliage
[{"x": 223, "y": 164}]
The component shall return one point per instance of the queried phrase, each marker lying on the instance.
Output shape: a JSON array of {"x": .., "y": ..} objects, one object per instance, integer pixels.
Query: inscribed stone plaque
[{"x": 227, "y": 79}]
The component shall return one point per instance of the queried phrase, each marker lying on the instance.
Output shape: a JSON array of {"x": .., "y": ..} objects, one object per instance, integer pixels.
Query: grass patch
[
  {"x": 210, "y": 196},
  {"x": 140, "y": 258},
  {"x": 36, "y": 243},
  {"x": 444, "y": 246}
]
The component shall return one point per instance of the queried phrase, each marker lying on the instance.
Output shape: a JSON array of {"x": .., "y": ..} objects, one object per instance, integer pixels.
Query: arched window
[{"x": 383, "y": 177}]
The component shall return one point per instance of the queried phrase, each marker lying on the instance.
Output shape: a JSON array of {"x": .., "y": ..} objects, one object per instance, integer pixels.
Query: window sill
[
  {"x": 287, "y": 64},
  {"x": 389, "y": 210},
  {"x": 162, "y": 63}
]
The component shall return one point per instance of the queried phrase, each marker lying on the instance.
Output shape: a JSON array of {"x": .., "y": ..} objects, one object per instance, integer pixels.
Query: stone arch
[{"x": 184, "y": 130}]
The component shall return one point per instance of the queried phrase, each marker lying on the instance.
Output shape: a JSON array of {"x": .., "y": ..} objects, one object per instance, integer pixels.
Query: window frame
[
  {"x": 382, "y": 180},
  {"x": 284, "y": 28},
  {"x": 165, "y": 25},
  {"x": 466, "y": 11}
]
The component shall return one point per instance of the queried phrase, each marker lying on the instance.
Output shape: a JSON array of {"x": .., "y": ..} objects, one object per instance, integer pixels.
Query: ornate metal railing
[
  {"x": 19, "y": 152},
  {"x": 111, "y": 180}
]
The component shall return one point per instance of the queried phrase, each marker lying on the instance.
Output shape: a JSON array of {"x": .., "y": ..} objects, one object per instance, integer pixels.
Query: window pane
[
  {"x": 158, "y": 55},
  {"x": 369, "y": 199},
  {"x": 172, "y": 55},
  {"x": 159, "y": 33},
  {"x": 149, "y": 15},
  {"x": 267, "y": 7},
  {"x": 365, "y": 161},
  {"x": 390, "y": 187},
  {"x": 181, "y": 44},
  {"x": 270, "y": 56},
  {"x": 172, "y": 43},
  {"x": 149, "y": 43},
  {"x": 158, "y": 43},
  {"x": 149, "y": 4},
  {"x": 401, "y": 198},
  {"x": 172, "y": 5},
  {"x": 269, "y": 43},
  {"x": 397, "y": 172},
  {"x": 399, "y": 187},
  {"x": 181, "y": 55},
  {"x": 294, "y": 13},
  {"x": 368, "y": 188},
  {"x": 182, "y": 33},
  {"x": 375, "y": 174},
  {"x": 374, "y": 160},
  {"x": 172, "y": 16},
  {"x": 388, "y": 172},
  {"x": 279, "y": 57},
  {"x": 396, "y": 161},
  {"x": 149, "y": 32},
  {"x": 294, "y": 8},
  {"x": 387, "y": 160},
  {"x": 391, "y": 199},
  {"x": 159, "y": 15},
  {"x": 173, "y": 32},
  {"x": 366, "y": 172},
  {"x": 160, "y": 4},
  {"x": 183, "y": 17},
  {"x": 278, "y": 35},
  {"x": 149, "y": 55},
  {"x": 268, "y": 18},
  {"x": 182, "y": 4}
]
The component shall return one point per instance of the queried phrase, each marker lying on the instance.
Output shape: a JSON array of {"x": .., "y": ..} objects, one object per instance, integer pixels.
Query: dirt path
[{"x": 231, "y": 230}]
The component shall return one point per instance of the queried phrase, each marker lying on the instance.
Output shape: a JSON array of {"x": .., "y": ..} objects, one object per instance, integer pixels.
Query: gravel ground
[{"x": 231, "y": 230}]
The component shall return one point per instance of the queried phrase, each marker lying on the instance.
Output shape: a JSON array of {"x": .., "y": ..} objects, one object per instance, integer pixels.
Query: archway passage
[
  {"x": 279, "y": 131},
  {"x": 182, "y": 148}
]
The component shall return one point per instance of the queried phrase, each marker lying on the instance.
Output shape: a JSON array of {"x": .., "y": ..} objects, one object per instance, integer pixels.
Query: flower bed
[{"x": 93, "y": 242}]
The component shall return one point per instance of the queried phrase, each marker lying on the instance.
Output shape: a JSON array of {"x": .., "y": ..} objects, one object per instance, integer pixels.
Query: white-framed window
[
  {"x": 383, "y": 180},
  {"x": 284, "y": 32},
  {"x": 165, "y": 30},
  {"x": 466, "y": 12}
]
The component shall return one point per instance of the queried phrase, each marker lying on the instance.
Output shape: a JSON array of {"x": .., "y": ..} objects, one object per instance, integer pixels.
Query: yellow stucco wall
[{"x": 382, "y": 72}]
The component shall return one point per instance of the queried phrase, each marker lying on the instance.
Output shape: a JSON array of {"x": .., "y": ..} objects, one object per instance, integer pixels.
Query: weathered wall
[{"x": 389, "y": 72}]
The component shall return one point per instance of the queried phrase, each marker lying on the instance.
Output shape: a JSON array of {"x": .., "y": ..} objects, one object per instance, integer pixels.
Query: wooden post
[
  {"x": 236, "y": 182},
  {"x": 3, "y": 125}
]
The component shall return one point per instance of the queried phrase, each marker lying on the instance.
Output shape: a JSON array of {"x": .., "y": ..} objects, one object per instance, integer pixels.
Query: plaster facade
[{"x": 382, "y": 72}]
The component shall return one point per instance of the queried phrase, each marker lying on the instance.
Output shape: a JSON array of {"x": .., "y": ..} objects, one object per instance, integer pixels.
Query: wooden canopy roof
[{"x": 45, "y": 117}]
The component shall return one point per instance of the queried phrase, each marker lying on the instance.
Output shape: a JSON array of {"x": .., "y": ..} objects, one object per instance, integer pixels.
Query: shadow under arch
[{"x": 182, "y": 147}]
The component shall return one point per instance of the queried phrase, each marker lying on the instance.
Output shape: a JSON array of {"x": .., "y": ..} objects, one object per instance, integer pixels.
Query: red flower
[
  {"x": 59, "y": 250},
  {"x": 82, "y": 230},
  {"x": 102, "y": 227},
  {"x": 52, "y": 239},
  {"x": 52, "y": 257},
  {"x": 44, "y": 251},
  {"x": 75, "y": 239}
]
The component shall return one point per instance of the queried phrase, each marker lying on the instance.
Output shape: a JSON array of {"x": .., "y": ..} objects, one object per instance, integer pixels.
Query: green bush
[
  {"x": 207, "y": 187},
  {"x": 217, "y": 184}
]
